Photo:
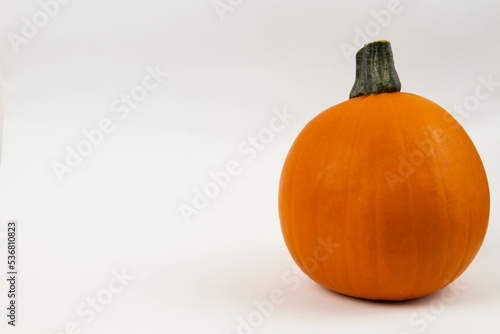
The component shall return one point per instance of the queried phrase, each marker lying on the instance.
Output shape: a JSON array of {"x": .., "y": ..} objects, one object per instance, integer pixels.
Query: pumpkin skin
[{"x": 384, "y": 197}]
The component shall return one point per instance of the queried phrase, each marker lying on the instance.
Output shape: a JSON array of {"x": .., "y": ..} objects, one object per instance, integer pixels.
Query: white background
[{"x": 119, "y": 208}]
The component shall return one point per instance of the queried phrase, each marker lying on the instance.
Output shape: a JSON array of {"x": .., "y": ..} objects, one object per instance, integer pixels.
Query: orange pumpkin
[{"x": 383, "y": 196}]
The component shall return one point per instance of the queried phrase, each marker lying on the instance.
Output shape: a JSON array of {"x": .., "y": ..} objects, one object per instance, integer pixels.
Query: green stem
[{"x": 375, "y": 71}]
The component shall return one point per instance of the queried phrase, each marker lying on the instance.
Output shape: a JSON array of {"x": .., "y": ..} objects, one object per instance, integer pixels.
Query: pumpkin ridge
[
  {"x": 288, "y": 229},
  {"x": 349, "y": 163},
  {"x": 411, "y": 199},
  {"x": 459, "y": 271},
  {"x": 469, "y": 251},
  {"x": 444, "y": 191},
  {"x": 377, "y": 234},
  {"x": 294, "y": 237}
]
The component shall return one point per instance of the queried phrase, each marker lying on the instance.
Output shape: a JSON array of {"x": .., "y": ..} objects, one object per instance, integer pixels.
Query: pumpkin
[{"x": 383, "y": 196}]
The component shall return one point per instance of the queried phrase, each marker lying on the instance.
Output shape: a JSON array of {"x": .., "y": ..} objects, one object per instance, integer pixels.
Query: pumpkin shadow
[
  {"x": 325, "y": 303},
  {"x": 477, "y": 286},
  {"x": 250, "y": 282},
  {"x": 236, "y": 284},
  {"x": 409, "y": 302}
]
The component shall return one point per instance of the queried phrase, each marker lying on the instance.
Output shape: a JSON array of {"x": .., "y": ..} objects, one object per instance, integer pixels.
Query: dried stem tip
[{"x": 375, "y": 72}]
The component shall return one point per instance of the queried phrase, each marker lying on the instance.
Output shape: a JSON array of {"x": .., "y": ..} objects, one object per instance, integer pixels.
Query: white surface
[{"x": 119, "y": 209}]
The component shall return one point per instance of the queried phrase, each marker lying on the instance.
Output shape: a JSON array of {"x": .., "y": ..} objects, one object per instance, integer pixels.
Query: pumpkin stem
[{"x": 375, "y": 71}]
